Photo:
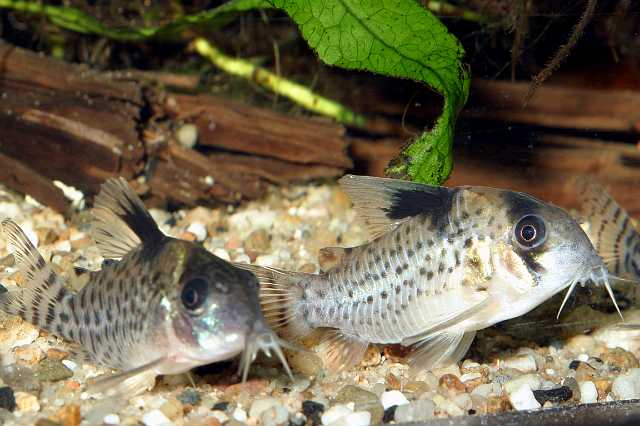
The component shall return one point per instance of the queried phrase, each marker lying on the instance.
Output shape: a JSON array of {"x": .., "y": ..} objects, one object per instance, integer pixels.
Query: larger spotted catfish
[
  {"x": 443, "y": 263},
  {"x": 164, "y": 307}
]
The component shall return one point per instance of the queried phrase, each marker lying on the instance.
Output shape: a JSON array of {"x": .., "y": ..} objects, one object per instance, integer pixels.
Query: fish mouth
[
  {"x": 599, "y": 275},
  {"x": 263, "y": 339}
]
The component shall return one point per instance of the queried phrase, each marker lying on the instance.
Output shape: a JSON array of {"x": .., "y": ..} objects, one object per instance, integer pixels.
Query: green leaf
[{"x": 398, "y": 38}]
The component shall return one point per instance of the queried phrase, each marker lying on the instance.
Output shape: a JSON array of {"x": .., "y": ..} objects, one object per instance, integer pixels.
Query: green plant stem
[
  {"x": 294, "y": 91},
  {"x": 448, "y": 9}
]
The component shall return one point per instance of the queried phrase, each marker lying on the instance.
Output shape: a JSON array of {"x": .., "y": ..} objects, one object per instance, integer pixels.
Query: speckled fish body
[
  {"x": 165, "y": 307},
  {"x": 444, "y": 264}
]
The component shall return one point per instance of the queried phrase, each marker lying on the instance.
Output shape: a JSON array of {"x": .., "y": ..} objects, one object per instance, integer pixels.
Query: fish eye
[
  {"x": 194, "y": 293},
  {"x": 530, "y": 231}
]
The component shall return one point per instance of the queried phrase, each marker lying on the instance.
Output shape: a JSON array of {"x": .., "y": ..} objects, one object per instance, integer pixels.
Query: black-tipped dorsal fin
[
  {"x": 611, "y": 231},
  {"x": 385, "y": 203},
  {"x": 121, "y": 222}
]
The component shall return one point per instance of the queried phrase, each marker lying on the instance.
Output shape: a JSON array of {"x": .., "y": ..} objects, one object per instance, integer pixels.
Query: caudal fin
[
  {"x": 609, "y": 227},
  {"x": 281, "y": 294},
  {"x": 43, "y": 302}
]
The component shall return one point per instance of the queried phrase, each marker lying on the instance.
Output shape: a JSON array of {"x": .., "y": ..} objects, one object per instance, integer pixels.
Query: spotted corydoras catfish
[
  {"x": 167, "y": 306},
  {"x": 443, "y": 264}
]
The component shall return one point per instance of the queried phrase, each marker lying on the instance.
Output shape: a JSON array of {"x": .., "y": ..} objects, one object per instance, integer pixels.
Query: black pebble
[
  {"x": 312, "y": 410},
  {"x": 389, "y": 414},
  {"x": 556, "y": 395},
  {"x": 220, "y": 406},
  {"x": 7, "y": 398},
  {"x": 574, "y": 364}
]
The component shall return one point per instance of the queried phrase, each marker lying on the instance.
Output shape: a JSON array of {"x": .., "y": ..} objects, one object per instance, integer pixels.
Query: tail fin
[
  {"x": 281, "y": 294},
  {"x": 609, "y": 227},
  {"x": 43, "y": 302}
]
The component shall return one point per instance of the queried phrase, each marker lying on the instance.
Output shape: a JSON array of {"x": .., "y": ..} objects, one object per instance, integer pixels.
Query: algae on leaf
[{"x": 398, "y": 38}]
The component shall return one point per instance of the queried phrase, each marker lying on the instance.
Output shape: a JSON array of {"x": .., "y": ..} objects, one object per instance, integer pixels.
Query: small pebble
[
  {"x": 524, "y": 363},
  {"x": 222, "y": 254},
  {"x": 275, "y": 415},
  {"x": 189, "y": 397},
  {"x": 523, "y": 398},
  {"x": 7, "y": 398},
  {"x": 556, "y": 395},
  {"x": 220, "y": 406},
  {"x": 155, "y": 418},
  {"x": 53, "y": 370},
  {"x": 187, "y": 135},
  {"x": 26, "y": 402},
  {"x": 239, "y": 414},
  {"x": 627, "y": 385},
  {"x": 532, "y": 380},
  {"x": 199, "y": 230},
  {"x": 111, "y": 419},
  {"x": 389, "y": 414},
  {"x": 266, "y": 260},
  {"x": 588, "y": 393},
  {"x": 415, "y": 411},
  {"x": 312, "y": 411},
  {"x": 391, "y": 398},
  {"x": 260, "y": 405},
  {"x": 335, "y": 413}
]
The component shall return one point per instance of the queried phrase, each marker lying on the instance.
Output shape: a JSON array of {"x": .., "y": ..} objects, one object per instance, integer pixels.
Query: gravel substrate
[{"x": 40, "y": 382}]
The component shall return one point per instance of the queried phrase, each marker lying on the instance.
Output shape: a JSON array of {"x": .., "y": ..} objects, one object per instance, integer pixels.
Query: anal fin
[
  {"x": 440, "y": 349},
  {"x": 340, "y": 350}
]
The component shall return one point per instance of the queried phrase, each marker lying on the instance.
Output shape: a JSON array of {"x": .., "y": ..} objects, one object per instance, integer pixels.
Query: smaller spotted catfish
[
  {"x": 443, "y": 263},
  {"x": 164, "y": 307}
]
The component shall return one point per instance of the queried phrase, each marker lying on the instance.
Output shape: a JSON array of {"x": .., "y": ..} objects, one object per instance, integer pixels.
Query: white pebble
[
  {"x": 274, "y": 416},
  {"x": 524, "y": 363},
  {"x": 583, "y": 357},
  {"x": 222, "y": 254},
  {"x": 588, "y": 392},
  {"x": 470, "y": 376},
  {"x": 155, "y": 418},
  {"x": 335, "y": 413},
  {"x": 111, "y": 419},
  {"x": 220, "y": 416},
  {"x": 627, "y": 386},
  {"x": 532, "y": 380},
  {"x": 69, "y": 364},
  {"x": 64, "y": 246},
  {"x": 9, "y": 209},
  {"x": 76, "y": 196},
  {"x": 266, "y": 260},
  {"x": 359, "y": 418},
  {"x": 187, "y": 135},
  {"x": 242, "y": 258},
  {"x": 239, "y": 414},
  {"x": 260, "y": 405},
  {"x": 391, "y": 398},
  {"x": 523, "y": 399},
  {"x": 463, "y": 400},
  {"x": 199, "y": 230},
  {"x": 420, "y": 410}
]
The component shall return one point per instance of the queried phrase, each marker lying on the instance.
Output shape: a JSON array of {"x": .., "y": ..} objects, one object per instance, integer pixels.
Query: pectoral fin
[{"x": 127, "y": 383}]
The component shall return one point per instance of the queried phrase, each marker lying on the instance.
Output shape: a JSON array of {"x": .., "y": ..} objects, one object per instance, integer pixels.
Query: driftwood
[{"x": 64, "y": 122}]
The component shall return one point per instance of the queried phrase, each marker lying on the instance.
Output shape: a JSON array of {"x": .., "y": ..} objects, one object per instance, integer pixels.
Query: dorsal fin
[
  {"x": 121, "y": 221},
  {"x": 609, "y": 227},
  {"x": 385, "y": 203}
]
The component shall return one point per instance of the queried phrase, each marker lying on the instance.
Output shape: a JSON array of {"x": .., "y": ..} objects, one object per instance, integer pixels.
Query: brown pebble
[
  {"x": 69, "y": 415},
  {"x": 603, "y": 385},
  {"x": 251, "y": 387},
  {"x": 72, "y": 385},
  {"x": 257, "y": 242},
  {"x": 308, "y": 268},
  {"x": 393, "y": 382},
  {"x": 58, "y": 354},
  {"x": 396, "y": 353},
  {"x": 46, "y": 236},
  {"x": 172, "y": 409},
  {"x": 585, "y": 372},
  {"x": 498, "y": 404},
  {"x": 371, "y": 357},
  {"x": 187, "y": 236},
  {"x": 28, "y": 354},
  {"x": 81, "y": 243},
  {"x": 417, "y": 388},
  {"x": 451, "y": 383},
  {"x": 620, "y": 358}
]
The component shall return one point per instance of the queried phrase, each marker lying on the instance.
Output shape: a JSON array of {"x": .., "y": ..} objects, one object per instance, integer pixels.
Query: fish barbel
[
  {"x": 165, "y": 307},
  {"x": 443, "y": 263}
]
